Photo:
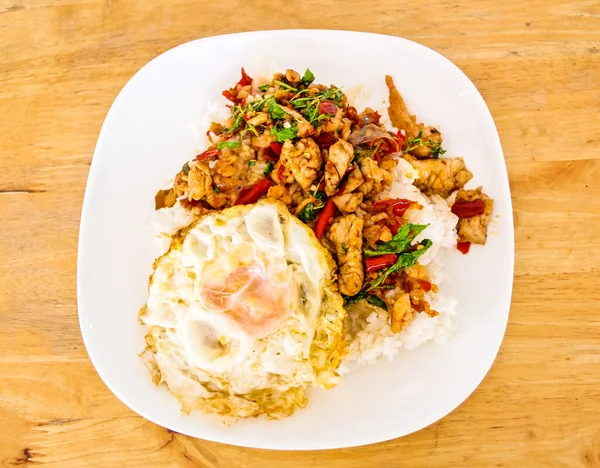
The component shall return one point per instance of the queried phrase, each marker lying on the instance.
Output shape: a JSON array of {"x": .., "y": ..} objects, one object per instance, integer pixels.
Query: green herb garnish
[
  {"x": 435, "y": 147},
  {"x": 252, "y": 162},
  {"x": 185, "y": 168},
  {"x": 285, "y": 86},
  {"x": 370, "y": 298},
  {"x": 216, "y": 189},
  {"x": 275, "y": 110},
  {"x": 283, "y": 134},
  {"x": 264, "y": 87},
  {"x": 228, "y": 144},
  {"x": 344, "y": 247},
  {"x": 268, "y": 169},
  {"x": 406, "y": 234},
  {"x": 308, "y": 77},
  {"x": 307, "y": 213}
]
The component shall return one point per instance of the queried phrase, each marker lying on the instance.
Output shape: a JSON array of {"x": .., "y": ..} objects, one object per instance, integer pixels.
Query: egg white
[{"x": 205, "y": 356}]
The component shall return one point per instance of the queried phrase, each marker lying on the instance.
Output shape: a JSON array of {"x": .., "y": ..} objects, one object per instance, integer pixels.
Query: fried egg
[{"x": 244, "y": 314}]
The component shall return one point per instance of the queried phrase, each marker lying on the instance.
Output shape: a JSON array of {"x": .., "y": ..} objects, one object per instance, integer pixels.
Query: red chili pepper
[
  {"x": 325, "y": 140},
  {"x": 468, "y": 209},
  {"x": 463, "y": 247},
  {"x": 382, "y": 261},
  {"x": 269, "y": 155},
  {"x": 327, "y": 107},
  {"x": 252, "y": 194},
  {"x": 229, "y": 95},
  {"x": 376, "y": 117},
  {"x": 280, "y": 172},
  {"x": 324, "y": 218},
  {"x": 399, "y": 205},
  {"x": 207, "y": 155},
  {"x": 401, "y": 138},
  {"x": 425, "y": 285},
  {"x": 246, "y": 80},
  {"x": 276, "y": 147}
]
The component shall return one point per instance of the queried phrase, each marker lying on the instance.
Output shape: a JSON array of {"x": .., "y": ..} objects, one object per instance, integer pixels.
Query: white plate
[{"x": 157, "y": 123}]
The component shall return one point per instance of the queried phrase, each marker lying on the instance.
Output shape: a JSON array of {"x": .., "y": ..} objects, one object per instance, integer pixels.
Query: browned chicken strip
[
  {"x": 402, "y": 313},
  {"x": 303, "y": 159},
  {"x": 348, "y": 202},
  {"x": 398, "y": 112},
  {"x": 199, "y": 181},
  {"x": 474, "y": 229},
  {"x": 346, "y": 236},
  {"x": 338, "y": 161},
  {"x": 440, "y": 176}
]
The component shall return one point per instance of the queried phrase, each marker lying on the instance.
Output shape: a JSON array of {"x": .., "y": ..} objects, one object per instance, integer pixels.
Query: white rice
[{"x": 369, "y": 334}]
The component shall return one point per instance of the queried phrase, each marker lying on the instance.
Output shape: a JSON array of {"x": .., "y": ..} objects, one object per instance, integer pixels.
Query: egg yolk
[{"x": 251, "y": 299}]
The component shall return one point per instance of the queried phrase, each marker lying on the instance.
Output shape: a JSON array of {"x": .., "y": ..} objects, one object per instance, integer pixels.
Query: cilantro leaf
[
  {"x": 308, "y": 77},
  {"x": 268, "y": 169},
  {"x": 283, "y": 134},
  {"x": 275, "y": 110},
  {"x": 252, "y": 162},
  {"x": 399, "y": 243},
  {"x": 228, "y": 144},
  {"x": 264, "y": 87}
]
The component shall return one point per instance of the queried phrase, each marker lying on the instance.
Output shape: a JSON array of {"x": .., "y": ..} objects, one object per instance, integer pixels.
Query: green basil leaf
[
  {"x": 228, "y": 144},
  {"x": 400, "y": 242},
  {"x": 307, "y": 213},
  {"x": 285, "y": 133},
  {"x": 275, "y": 110},
  {"x": 308, "y": 77},
  {"x": 268, "y": 169}
]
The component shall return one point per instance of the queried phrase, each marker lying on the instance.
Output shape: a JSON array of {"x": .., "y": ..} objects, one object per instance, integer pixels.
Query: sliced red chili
[
  {"x": 229, "y": 95},
  {"x": 207, "y": 155},
  {"x": 327, "y": 107},
  {"x": 401, "y": 138},
  {"x": 463, "y": 247},
  {"x": 252, "y": 194},
  {"x": 468, "y": 209},
  {"x": 425, "y": 285},
  {"x": 376, "y": 117},
  {"x": 276, "y": 147},
  {"x": 246, "y": 80},
  {"x": 399, "y": 205},
  {"x": 269, "y": 154},
  {"x": 382, "y": 261},
  {"x": 324, "y": 218},
  {"x": 280, "y": 173},
  {"x": 325, "y": 140}
]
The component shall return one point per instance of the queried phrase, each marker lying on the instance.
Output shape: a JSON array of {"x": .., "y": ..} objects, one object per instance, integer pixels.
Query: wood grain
[{"x": 537, "y": 64}]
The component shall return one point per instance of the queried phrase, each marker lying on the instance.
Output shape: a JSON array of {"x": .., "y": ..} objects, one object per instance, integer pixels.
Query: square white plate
[{"x": 158, "y": 122}]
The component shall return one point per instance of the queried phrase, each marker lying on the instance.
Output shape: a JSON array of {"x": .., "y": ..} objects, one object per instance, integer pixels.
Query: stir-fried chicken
[
  {"x": 440, "y": 176},
  {"x": 304, "y": 127},
  {"x": 354, "y": 180},
  {"x": 375, "y": 178},
  {"x": 279, "y": 192},
  {"x": 348, "y": 202},
  {"x": 402, "y": 313},
  {"x": 377, "y": 233},
  {"x": 346, "y": 236},
  {"x": 303, "y": 159},
  {"x": 417, "y": 283},
  {"x": 474, "y": 229},
  {"x": 199, "y": 181},
  {"x": 338, "y": 161}
]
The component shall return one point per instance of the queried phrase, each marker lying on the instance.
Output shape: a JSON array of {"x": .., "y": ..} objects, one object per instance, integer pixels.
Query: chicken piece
[
  {"x": 292, "y": 76},
  {"x": 259, "y": 119},
  {"x": 304, "y": 127},
  {"x": 440, "y": 176},
  {"x": 346, "y": 129},
  {"x": 417, "y": 283},
  {"x": 279, "y": 192},
  {"x": 303, "y": 159},
  {"x": 230, "y": 164},
  {"x": 398, "y": 112},
  {"x": 217, "y": 199},
  {"x": 180, "y": 184},
  {"x": 333, "y": 123},
  {"x": 348, "y": 202},
  {"x": 430, "y": 138},
  {"x": 376, "y": 233},
  {"x": 346, "y": 236},
  {"x": 338, "y": 161},
  {"x": 402, "y": 313},
  {"x": 164, "y": 199},
  {"x": 375, "y": 177},
  {"x": 199, "y": 181},
  {"x": 262, "y": 141},
  {"x": 474, "y": 229},
  {"x": 354, "y": 180},
  {"x": 280, "y": 176}
]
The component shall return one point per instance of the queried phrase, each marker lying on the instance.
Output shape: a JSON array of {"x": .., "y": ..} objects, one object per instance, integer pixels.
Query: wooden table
[{"x": 537, "y": 65}]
